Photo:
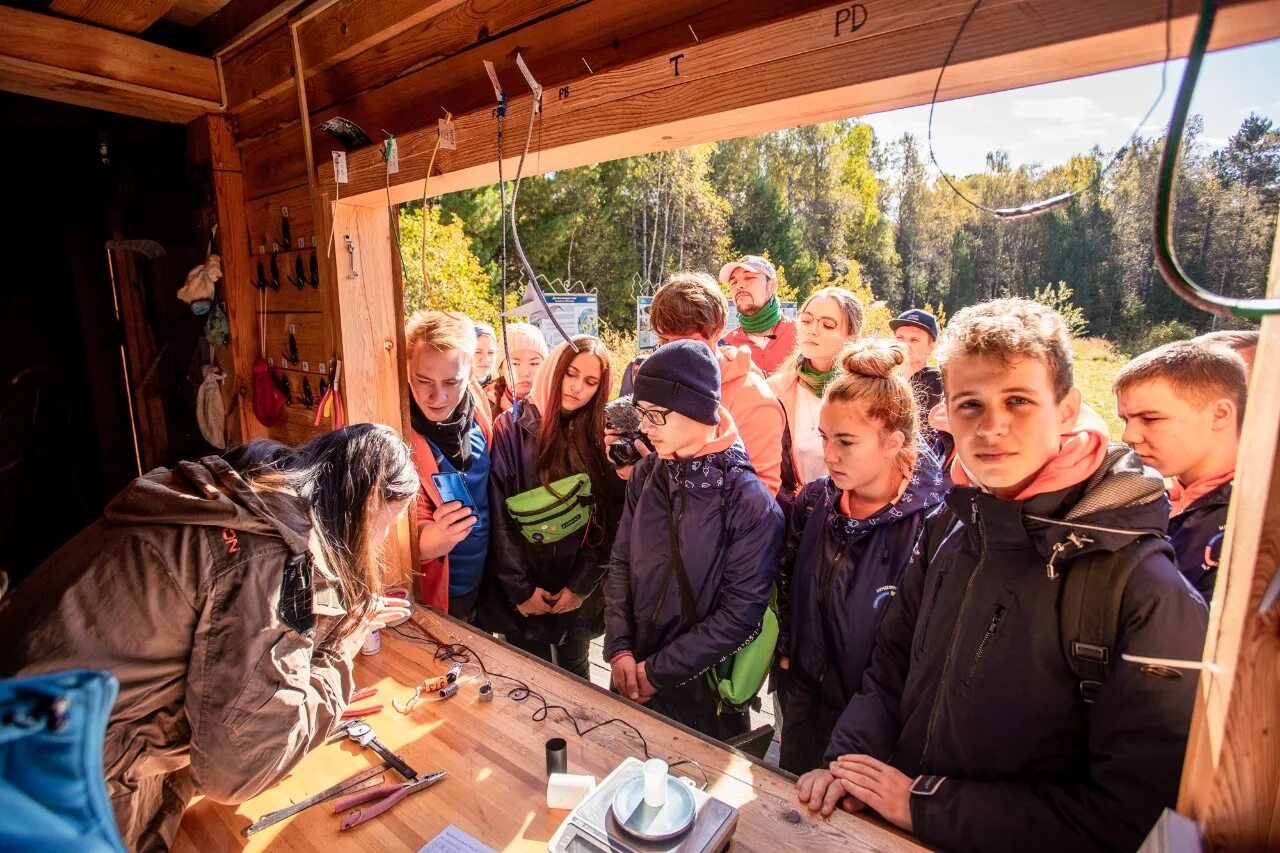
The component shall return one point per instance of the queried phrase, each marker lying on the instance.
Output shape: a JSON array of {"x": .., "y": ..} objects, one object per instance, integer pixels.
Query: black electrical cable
[
  {"x": 1063, "y": 199},
  {"x": 462, "y": 653},
  {"x": 535, "y": 108}
]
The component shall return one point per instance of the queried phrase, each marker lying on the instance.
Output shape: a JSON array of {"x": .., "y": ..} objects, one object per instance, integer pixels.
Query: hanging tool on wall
[
  {"x": 308, "y": 399},
  {"x": 261, "y": 281},
  {"x": 299, "y": 277},
  {"x": 351, "y": 251},
  {"x": 274, "y": 281},
  {"x": 293, "y": 344},
  {"x": 314, "y": 280},
  {"x": 330, "y": 407}
]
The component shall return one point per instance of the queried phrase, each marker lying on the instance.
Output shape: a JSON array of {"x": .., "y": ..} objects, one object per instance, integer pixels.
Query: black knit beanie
[{"x": 682, "y": 376}]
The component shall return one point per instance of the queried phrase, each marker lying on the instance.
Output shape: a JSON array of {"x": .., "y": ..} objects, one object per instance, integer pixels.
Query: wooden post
[
  {"x": 1231, "y": 779},
  {"x": 233, "y": 240}
]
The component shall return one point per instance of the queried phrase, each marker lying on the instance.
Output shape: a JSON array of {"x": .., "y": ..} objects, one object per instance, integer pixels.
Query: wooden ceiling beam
[
  {"x": 130, "y": 16},
  {"x": 885, "y": 65},
  {"x": 81, "y": 64}
]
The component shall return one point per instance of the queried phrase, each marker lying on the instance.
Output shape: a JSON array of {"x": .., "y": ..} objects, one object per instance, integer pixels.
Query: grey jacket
[{"x": 176, "y": 591}]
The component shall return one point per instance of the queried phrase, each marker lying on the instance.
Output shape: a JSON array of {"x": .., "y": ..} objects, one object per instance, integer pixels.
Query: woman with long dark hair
[
  {"x": 555, "y": 504},
  {"x": 228, "y": 596}
]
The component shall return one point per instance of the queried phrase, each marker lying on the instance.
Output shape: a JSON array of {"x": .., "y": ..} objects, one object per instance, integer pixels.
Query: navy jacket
[
  {"x": 969, "y": 680},
  {"x": 1196, "y": 534},
  {"x": 729, "y": 532},
  {"x": 837, "y": 578},
  {"x": 517, "y": 566}
]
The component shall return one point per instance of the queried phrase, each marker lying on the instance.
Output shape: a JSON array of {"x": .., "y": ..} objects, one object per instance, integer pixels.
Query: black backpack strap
[{"x": 1089, "y": 615}]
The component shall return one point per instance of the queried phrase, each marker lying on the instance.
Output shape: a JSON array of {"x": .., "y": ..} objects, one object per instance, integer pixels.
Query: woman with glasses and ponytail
[{"x": 555, "y": 503}]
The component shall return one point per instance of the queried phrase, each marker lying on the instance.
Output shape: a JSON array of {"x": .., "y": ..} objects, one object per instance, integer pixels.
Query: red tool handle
[
  {"x": 352, "y": 800},
  {"x": 363, "y": 693},
  {"x": 355, "y": 713},
  {"x": 360, "y": 816}
]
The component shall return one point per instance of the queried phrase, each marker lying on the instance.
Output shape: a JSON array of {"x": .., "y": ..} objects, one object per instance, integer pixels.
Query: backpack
[
  {"x": 51, "y": 777},
  {"x": 1089, "y": 607}
]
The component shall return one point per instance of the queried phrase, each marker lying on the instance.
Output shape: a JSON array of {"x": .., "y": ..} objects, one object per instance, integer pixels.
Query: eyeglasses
[{"x": 657, "y": 417}]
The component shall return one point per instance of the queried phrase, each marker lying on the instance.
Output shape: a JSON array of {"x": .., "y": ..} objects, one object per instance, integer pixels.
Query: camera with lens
[{"x": 622, "y": 416}]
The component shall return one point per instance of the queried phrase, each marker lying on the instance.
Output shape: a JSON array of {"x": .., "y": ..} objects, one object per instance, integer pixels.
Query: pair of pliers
[{"x": 386, "y": 797}]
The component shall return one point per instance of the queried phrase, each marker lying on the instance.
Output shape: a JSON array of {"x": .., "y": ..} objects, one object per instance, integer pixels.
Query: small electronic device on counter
[{"x": 615, "y": 818}]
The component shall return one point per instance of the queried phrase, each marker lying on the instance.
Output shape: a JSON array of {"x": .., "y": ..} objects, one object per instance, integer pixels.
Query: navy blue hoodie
[
  {"x": 837, "y": 578},
  {"x": 969, "y": 680},
  {"x": 1196, "y": 534},
  {"x": 729, "y": 532}
]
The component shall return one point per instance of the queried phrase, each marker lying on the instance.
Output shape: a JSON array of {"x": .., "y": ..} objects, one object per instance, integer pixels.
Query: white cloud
[{"x": 1069, "y": 109}]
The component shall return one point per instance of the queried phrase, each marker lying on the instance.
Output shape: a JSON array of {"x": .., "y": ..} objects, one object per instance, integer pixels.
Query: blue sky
[{"x": 1048, "y": 124}]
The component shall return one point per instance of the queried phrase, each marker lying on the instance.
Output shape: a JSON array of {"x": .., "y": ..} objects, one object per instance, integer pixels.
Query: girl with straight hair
[{"x": 551, "y": 539}]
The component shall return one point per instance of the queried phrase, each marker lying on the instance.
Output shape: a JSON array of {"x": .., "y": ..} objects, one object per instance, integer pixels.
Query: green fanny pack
[
  {"x": 550, "y": 513},
  {"x": 737, "y": 679}
]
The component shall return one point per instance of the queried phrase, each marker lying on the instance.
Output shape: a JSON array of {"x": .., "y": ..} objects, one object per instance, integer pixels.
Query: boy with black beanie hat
[{"x": 697, "y": 548}]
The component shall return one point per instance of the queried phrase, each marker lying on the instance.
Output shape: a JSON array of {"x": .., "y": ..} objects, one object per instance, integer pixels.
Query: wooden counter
[{"x": 494, "y": 754}]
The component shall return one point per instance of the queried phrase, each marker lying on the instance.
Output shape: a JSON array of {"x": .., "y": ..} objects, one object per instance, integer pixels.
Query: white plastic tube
[{"x": 655, "y": 783}]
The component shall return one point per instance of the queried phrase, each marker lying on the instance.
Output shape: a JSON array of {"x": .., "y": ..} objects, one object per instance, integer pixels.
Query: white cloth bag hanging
[{"x": 211, "y": 413}]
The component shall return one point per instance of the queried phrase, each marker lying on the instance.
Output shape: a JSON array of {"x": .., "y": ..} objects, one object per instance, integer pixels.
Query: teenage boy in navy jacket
[
  {"x": 972, "y": 730},
  {"x": 697, "y": 499},
  {"x": 1183, "y": 405}
]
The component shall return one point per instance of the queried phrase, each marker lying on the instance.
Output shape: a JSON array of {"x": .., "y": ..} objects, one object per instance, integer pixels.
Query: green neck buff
[
  {"x": 764, "y": 319},
  {"x": 815, "y": 381}
]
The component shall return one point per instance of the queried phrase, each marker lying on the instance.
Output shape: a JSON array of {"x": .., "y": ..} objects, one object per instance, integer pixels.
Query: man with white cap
[{"x": 753, "y": 285}]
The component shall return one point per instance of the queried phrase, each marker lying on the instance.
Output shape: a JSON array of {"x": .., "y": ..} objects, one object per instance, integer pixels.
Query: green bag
[
  {"x": 737, "y": 679},
  {"x": 547, "y": 515}
]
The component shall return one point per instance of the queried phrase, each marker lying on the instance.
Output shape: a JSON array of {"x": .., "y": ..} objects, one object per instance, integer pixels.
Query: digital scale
[{"x": 614, "y": 818}]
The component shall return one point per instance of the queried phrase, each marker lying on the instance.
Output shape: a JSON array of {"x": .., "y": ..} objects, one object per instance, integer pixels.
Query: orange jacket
[
  {"x": 756, "y": 412},
  {"x": 774, "y": 353},
  {"x": 433, "y": 574},
  {"x": 785, "y": 386}
]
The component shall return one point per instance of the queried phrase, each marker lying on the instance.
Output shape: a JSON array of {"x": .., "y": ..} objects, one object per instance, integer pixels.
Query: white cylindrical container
[
  {"x": 372, "y": 644},
  {"x": 655, "y": 783},
  {"x": 566, "y": 790}
]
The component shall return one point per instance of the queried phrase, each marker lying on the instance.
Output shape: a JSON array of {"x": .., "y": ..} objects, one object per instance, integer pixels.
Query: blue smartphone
[{"x": 453, "y": 488}]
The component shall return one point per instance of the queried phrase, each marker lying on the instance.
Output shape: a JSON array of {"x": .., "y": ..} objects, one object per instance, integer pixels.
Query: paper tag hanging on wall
[
  {"x": 533, "y": 84},
  {"x": 340, "y": 166},
  {"x": 493, "y": 78},
  {"x": 448, "y": 134},
  {"x": 391, "y": 155}
]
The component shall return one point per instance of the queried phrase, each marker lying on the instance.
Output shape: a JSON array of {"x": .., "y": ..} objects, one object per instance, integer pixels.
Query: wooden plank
[
  {"x": 130, "y": 16},
  {"x": 1231, "y": 779},
  {"x": 265, "y": 227},
  {"x": 889, "y": 71},
  {"x": 494, "y": 755},
  {"x": 188, "y": 13},
  {"x": 240, "y": 296},
  {"x": 56, "y": 84},
  {"x": 242, "y": 20},
  {"x": 257, "y": 119},
  {"x": 107, "y": 57},
  {"x": 349, "y": 27},
  {"x": 558, "y": 49},
  {"x": 275, "y": 163},
  {"x": 260, "y": 70}
]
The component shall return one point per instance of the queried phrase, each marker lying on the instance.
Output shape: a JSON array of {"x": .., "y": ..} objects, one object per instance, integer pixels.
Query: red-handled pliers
[{"x": 386, "y": 797}]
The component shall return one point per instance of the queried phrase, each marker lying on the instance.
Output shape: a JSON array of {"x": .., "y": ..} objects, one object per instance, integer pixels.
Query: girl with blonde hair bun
[{"x": 850, "y": 537}]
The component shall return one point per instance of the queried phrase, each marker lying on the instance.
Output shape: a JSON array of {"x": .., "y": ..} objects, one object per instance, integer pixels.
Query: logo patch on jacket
[
  {"x": 883, "y": 594},
  {"x": 233, "y": 543}
]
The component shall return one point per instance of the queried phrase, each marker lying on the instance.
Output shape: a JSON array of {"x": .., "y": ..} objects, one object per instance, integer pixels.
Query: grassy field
[{"x": 1096, "y": 364}]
